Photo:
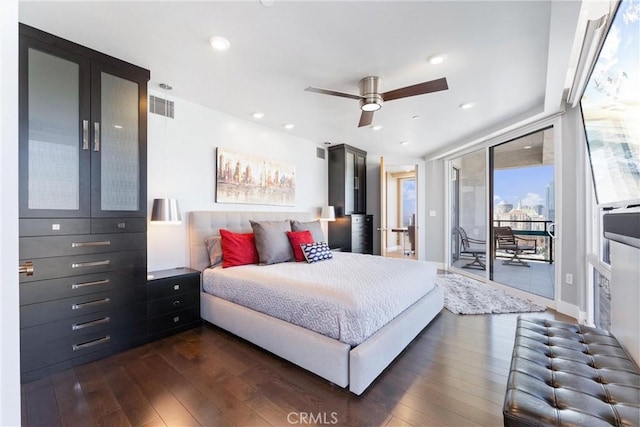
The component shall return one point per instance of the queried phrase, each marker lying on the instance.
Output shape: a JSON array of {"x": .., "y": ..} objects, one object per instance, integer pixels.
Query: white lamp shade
[
  {"x": 328, "y": 213},
  {"x": 165, "y": 211}
]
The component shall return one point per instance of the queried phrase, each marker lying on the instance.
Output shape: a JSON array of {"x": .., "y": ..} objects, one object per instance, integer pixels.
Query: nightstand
[{"x": 173, "y": 301}]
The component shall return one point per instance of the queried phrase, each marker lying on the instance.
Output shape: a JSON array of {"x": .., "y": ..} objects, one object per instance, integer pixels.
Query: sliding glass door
[
  {"x": 467, "y": 196},
  {"x": 523, "y": 212},
  {"x": 502, "y": 213}
]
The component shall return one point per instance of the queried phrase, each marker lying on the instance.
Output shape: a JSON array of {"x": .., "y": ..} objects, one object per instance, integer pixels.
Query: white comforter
[{"x": 347, "y": 298}]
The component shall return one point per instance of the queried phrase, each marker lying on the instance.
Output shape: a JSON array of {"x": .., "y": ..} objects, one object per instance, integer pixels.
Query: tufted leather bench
[{"x": 564, "y": 374}]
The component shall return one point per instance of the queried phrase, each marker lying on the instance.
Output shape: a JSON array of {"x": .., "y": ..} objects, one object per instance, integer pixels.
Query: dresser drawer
[
  {"x": 173, "y": 303},
  {"x": 80, "y": 326},
  {"x": 65, "y": 287},
  {"x": 176, "y": 319},
  {"x": 78, "y": 265},
  {"x": 44, "y": 353},
  {"x": 179, "y": 285},
  {"x": 119, "y": 225},
  {"x": 49, "y": 246},
  {"x": 69, "y": 308},
  {"x": 54, "y": 226}
]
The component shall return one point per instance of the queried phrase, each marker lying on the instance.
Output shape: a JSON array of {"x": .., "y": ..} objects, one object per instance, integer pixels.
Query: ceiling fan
[{"x": 371, "y": 98}]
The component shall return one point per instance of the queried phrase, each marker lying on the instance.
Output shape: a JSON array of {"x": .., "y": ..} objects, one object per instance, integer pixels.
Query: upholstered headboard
[{"x": 203, "y": 224}]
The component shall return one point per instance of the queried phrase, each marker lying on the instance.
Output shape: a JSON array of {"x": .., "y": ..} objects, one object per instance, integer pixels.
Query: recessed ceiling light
[
  {"x": 404, "y": 143},
  {"x": 327, "y": 143},
  {"x": 467, "y": 105},
  {"x": 219, "y": 43},
  {"x": 526, "y": 147},
  {"x": 415, "y": 117},
  {"x": 436, "y": 59},
  {"x": 376, "y": 127},
  {"x": 257, "y": 115},
  {"x": 289, "y": 126},
  {"x": 117, "y": 126}
]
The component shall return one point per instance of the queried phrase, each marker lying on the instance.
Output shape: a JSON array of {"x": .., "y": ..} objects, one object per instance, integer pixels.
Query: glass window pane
[
  {"x": 119, "y": 162},
  {"x": 468, "y": 213},
  {"x": 54, "y": 127}
]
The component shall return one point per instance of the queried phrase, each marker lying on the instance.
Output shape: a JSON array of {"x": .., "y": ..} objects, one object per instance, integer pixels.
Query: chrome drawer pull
[
  {"x": 90, "y": 303},
  {"x": 90, "y": 264},
  {"x": 84, "y": 244},
  {"x": 96, "y": 136},
  {"x": 176, "y": 319},
  {"x": 82, "y": 285},
  {"x": 176, "y": 303},
  {"x": 85, "y": 134},
  {"x": 89, "y": 324},
  {"x": 90, "y": 343}
]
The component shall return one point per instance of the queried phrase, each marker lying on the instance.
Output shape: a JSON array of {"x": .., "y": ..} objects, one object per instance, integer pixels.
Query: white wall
[
  {"x": 181, "y": 164},
  {"x": 9, "y": 302}
]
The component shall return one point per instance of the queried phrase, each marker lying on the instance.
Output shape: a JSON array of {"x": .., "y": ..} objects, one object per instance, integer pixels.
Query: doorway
[
  {"x": 502, "y": 213},
  {"x": 398, "y": 199},
  {"x": 523, "y": 213}
]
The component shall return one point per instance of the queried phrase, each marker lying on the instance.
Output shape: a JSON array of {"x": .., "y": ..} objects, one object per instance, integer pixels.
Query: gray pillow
[
  {"x": 272, "y": 242},
  {"x": 214, "y": 249},
  {"x": 313, "y": 226}
]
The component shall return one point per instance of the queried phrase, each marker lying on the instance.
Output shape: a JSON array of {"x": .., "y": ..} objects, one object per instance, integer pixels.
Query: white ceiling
[{"x": 500, "y": 55}]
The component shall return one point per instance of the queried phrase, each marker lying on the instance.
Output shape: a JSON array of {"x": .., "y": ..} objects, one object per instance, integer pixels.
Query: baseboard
[{"x": 571, "y": 310}]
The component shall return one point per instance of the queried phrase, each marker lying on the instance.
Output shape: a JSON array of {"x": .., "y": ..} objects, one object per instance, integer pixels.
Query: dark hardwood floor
[{"x": 453, "y": 374}]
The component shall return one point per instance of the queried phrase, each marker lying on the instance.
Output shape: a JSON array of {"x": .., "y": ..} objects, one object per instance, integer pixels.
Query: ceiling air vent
[
  {"x": 161, "y": 106},
  {"x": 320, "y": 152}
]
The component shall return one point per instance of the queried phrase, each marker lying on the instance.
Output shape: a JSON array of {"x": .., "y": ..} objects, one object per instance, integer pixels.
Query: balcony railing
[{"x": 538, "y": 229}]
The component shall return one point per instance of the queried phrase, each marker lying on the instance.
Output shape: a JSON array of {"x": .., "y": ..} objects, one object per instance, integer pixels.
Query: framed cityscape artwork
[{"x": 247, "y": 178}]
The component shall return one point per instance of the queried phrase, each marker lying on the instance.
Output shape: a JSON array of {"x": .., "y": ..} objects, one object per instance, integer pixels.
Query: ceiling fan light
[{"x": 372, "y": 105}]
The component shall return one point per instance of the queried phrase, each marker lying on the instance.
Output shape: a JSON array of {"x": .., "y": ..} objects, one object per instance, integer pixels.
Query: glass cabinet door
[
  {"x": 54, "y": 134},
  {"x": 117, "y": 151},
  {"x": 350, "y": 183}
]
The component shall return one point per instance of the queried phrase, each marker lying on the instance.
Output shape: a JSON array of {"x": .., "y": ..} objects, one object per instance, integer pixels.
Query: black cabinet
[
  {"x": 347, "y": 179},
  {"x": 82, "y": 180},
  {"x": 173, "y": 303},
  {"x": 352, "y": 233},
  {"x": 83, "y": 131}
]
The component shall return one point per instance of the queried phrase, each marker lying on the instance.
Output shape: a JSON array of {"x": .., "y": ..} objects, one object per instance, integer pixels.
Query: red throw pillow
[
  {"x": 298, "y": 238},
  {"x": 238, "y": 249}
]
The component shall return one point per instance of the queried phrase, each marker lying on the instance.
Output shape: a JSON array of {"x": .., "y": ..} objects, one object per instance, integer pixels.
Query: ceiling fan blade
[
  {"x": 419, "y": 89},
  {"x": 332, "y": 92},
  {"x": 365, "y": 118}
]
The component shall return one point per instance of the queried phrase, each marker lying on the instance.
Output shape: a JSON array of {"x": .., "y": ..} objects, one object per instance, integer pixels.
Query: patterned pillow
[{"x": 318, "y": 251}]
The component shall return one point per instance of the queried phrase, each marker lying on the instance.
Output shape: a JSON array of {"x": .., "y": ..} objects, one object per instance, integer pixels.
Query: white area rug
[{"x": 467, "y": 296}]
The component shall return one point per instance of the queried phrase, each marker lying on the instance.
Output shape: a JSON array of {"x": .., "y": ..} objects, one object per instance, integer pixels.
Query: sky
[{"x": 529, "y": 185}]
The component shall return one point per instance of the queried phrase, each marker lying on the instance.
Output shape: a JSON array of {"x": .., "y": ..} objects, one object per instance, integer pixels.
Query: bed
[{"x": 354, "y": 360}]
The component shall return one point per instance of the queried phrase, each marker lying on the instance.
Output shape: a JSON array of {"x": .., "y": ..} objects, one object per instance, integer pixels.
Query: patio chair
[
  {"x": 513, "y": 245},
  {"x": 473, "y": 247}
]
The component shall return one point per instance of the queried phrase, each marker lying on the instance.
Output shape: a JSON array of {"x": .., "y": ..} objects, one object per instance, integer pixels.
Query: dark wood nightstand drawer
[
  {"x": 173, "y": 320},
  {"x": 160, "y": 288},
  {"x": 173, "y": 303}
]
